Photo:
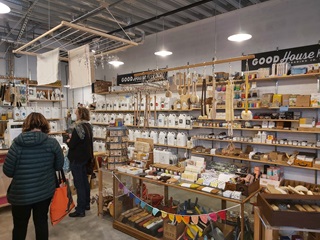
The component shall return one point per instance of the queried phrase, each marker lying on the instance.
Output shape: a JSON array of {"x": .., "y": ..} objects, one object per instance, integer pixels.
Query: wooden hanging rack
[
  {"x": 197, "y": 65},
  {"x": 67, "y": 36}
]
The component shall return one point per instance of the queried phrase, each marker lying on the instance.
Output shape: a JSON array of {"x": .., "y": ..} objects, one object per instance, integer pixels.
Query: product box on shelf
[
  {"x": 101, "y": 86},
  {"x": 246, "y": 189},
  {"x": 172, "y": 231},
  {"x": 315, "y": 99},
  {"x": 299, "y": 211},
  {"x": 303, "y": 101},
  {"x": 266, "y": 181}
]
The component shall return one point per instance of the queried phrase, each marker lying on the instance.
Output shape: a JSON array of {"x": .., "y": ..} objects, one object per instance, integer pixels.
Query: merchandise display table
[
  {"x": 264, "y": 231},
  {"x": 139, "y": 181}
]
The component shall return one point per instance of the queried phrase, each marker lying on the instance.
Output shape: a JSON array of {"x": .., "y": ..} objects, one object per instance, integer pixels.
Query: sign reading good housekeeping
[
  {"x": 294, "y": 56},
  {"x": 130, "y": 78}
]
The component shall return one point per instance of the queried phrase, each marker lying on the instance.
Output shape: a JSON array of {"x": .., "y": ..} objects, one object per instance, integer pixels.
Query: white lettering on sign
[
  {"x": 297, "y": 57},
  {"x": 262, "y": 60}
]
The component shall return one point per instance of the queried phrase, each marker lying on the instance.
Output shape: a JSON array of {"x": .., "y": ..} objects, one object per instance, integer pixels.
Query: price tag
[{"x": 284, "y": 108}]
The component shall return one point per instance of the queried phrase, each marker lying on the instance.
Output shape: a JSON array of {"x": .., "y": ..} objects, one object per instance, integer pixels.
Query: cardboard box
[
  {"x": 245, "y": 189},
  {"x": 292, "y": 217},
  {"x": 285, "y": 99},
  {"x": 101, "y": 86},
  {"x": 172, "y": 232},
  {"x": 265, "y": 182},
  {"x": 303, "y": 101}
]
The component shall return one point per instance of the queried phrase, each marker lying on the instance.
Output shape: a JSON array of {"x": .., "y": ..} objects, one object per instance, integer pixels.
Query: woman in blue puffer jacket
[{"x": 31, "y": 162}]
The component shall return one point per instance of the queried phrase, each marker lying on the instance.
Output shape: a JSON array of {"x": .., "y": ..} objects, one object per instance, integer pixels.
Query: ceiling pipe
[{"x": 161, "y": 15}]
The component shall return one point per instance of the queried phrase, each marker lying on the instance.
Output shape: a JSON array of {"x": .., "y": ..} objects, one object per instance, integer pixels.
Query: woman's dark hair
[
  {"x": 84, "y": 113},
  {"x": 36, "y": 120}
]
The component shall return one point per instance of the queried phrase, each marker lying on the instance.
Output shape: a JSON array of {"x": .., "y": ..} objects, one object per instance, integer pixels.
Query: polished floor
[{"x": 89, "y": 227}]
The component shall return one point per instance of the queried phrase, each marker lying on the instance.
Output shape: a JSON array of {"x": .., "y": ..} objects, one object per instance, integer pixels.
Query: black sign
[
  {"x": 129, "y": 78},
  {"x": 294, "y": 56}
]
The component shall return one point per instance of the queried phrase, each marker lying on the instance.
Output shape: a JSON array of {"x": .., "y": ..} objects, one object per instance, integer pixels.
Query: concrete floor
[{"x": 89, "y": 227}]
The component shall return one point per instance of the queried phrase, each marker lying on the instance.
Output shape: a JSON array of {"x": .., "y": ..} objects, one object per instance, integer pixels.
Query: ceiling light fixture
[
  {"x": 4, "y": 8},
  {"x": 116, "y": 63},
  {"x": 163, "y": 52},
  {"x": 241, "y": 36}
]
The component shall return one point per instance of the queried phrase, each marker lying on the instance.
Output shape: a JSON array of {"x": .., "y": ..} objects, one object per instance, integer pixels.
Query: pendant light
[
  {"x": 4, "y": 8},
  {"x": 163, "y": 52},
  {"x": 240, "y": 36},
  {"x": 114, "y": 61}
]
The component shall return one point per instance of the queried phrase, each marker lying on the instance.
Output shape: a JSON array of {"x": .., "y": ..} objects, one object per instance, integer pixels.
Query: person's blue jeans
[
  {"x": 82, "y": 186},
  {"x": 21, "y": 215}
]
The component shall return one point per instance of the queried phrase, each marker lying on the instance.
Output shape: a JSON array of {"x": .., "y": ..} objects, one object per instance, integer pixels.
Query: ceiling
[{"x": 139, "y": 18}]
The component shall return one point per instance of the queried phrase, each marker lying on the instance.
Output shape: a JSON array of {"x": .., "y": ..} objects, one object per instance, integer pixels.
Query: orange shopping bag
[{"x": 62, "y": 202}]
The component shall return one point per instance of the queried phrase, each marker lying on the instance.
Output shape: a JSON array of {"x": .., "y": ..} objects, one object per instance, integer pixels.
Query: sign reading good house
[
  {"x": 294, "y": 56},
  {"x": 130, "y": 78}
]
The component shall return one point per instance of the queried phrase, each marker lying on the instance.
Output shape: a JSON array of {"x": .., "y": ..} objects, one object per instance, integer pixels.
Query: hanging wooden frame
[{"x": 68, "y": 36}]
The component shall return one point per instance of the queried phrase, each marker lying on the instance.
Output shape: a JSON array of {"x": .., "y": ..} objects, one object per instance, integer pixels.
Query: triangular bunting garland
[
  {"x": 137, "y": 201},
  {"x": 131, "y": 195},
  {"x": 186, "y": 219},
  {"x": 164, "y": 214},
  {"x": 171, "y": 217},
  {"x": 195, "y": 219},
  {"x": 204, "y": 218},
  {"x": 222, "y": 215},
  {"x": 179, "y": 218},
  {"x": 142, "y": 204},
  {"x": 213, "y": 216},
  {"x": 155, "y": 211}
]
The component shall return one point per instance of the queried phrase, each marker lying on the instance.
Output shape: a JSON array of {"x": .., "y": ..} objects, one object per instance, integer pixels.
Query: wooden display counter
[{"x": 264, "y": 231}]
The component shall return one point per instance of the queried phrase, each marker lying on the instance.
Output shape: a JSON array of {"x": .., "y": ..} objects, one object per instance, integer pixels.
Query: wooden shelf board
[
  {"x": 258, "y": 161},
  {"x": 261, "y": 129},
  {"x": 252, "y": 120},
  {"x": 186, "y": 129},
  {"x": 289, "y": 77},
  {"x": 256, "y": 143},
  {"x": 99, "y": 123},
  {"x": 44, "y": 100}
]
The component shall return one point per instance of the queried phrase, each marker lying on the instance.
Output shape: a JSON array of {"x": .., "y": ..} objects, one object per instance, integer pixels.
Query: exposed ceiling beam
[{"x": 161, "y": 15}]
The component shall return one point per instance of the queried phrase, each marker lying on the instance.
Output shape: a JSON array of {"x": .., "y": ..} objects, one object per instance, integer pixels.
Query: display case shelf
[
  {"x": 256, "y": 143},
  {"x": 257, "y": 161}
]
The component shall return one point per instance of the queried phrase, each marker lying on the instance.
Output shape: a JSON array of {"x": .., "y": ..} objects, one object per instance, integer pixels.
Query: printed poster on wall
[{"x": 295, "y": 56}]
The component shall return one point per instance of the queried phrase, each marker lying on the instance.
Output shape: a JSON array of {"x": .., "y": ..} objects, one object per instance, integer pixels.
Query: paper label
[
  {"x": 207, "y": 189},
  {"x": 188, "y": 185}
]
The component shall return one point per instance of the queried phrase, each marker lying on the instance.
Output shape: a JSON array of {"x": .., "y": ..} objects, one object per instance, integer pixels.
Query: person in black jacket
[
  {"x": 31, "y": 162},
  {"x": 80, "y": 154}
]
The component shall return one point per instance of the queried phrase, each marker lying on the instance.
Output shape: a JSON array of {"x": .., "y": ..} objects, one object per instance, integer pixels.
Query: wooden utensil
[
  {"x": 180, "y": 90},
  {"x": 194, "y": 97},
  {"x": 168, "y": 92},
  {"x": 185, "y": 97}
]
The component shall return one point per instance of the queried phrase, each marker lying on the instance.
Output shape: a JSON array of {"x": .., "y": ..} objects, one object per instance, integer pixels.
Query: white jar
[
  {"x": 162, "y": 137},
  {"x": 171, "y": 138},
  {"x": 182, "y": 139},
  {"x": 154, "y": 136}
]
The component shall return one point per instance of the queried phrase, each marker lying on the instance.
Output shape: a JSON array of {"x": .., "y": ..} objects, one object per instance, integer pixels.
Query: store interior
[{"x": 198, "y": 141}]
